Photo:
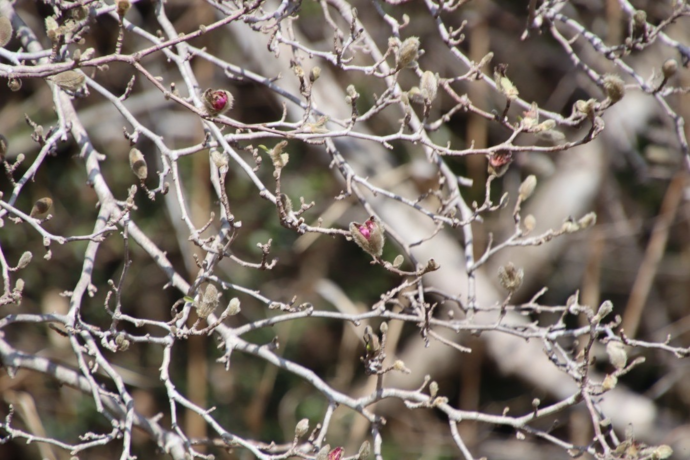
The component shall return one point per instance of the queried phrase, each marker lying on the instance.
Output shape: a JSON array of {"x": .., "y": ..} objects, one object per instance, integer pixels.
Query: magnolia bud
[
  {"x": 415, "y": 95},
  {"x": 122, "y": 7},
  {"x": 499, "y": 162},
  {"x": 587, "y": 220},
  {"x": 610, "y": 382},
  {"x": 614, "y": 88},
  {"x": 121, "y": 342},
  {"x": 429, "y": 86},
  {"x": 510, "y": 277},
  {"x": 569, "y": 227},
  {"x": 218, "y": 101},
  {"x": 5, "y": 31},
  {"x": 503, "y": 83},
  {"x": 369, "y": 236},
  {"x": 605, "y": 309},
  {"x": 41, "y": 208},
  {"x": 399, "y": 259},
  {"x": 52, "y": 28},
  {"x": 399, "y": 366},
  {"x": 364, "y": 451},
  {"x": 407, "y": 53},
  {"x": 335, "y": 454},
  {"x": 373, "y": 345},
  {"x": 433, "y": 389},
  {"x": 527, "y": 187},
  {"x": 208, "y": 302},
  {"x": 323, "y": 452},
  {"x": 669, "y": 68},
  {"x": 314, "y": 74},
  {"x": 529, "y": 222},
  {"x": 234, "y": 306},
  {"x": 302, "y": 428},
  {"x": 617, "y": 355},
  {"x": 24, "y": 260},
  {"x": 3, "y": 147},
  {"x": 639, "y": 23},
  {"x": 137, "y": 163},
  {"x": 586, "y": 107},
  {"x": 663, "y": 452},
  {"x": 219, "y": 159},
  {"x": 14, "y": 84},
  {"x": 70, "y": 80}
]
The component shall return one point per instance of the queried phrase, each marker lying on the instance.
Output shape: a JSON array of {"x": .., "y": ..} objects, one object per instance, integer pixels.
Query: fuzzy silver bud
[
  {"x": 527, "y": 187},
  {"x": 234, "y": 306},
  {"x": 364, "y": 451},
  {"x": 137, "y": 164},
  {"x": 510, "y": 277},
  {"x": 617, "y": 355},
  {"x": 6, "y": 31},
  {"x": 429, "y": 86},
  {"x": 24, "y": 260},
  {"x": 208, "y": 302},
  {"x": 302, "y": 428},
  {"x": 407, "y": 53},
  {"x": 70, "y": 80},
  {"x": 614, "y": 87}
]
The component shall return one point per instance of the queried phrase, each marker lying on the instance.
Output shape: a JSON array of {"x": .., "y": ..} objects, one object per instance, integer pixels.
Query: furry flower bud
[
  {"x": 364, "y": 451},
  {"x": 234, "y": 306},
  {"x": 14, "y": 84},
  {"x": 587, "y": 220},
  {"x": 208, "y": 302},
  {"x": 24, "y": 260},
  {"x": 610, "y": 382},
  {"x": 617, "y": 355},
  {"x": 5, "y": 31},
  {"x": 669, "y": 68},
  {"x": 314, "y": 74},
  {"x": 218, "y": 101},
  {"x": 70, "y": 80},
  {"x": 510, "y": 277},
  {"x": 138, "y": 164},
  {"x": 527, "y": 187},
  {"x": 323, "y": 452},
  {"x": 219, "y": 159},
  {"x": 302, "y": 427},
  {"x": 3, "y": 147},
  {"x": 41, "y": 208},
  {"x": 336, "y": 454},
  {"x": 369, "y": 236},
  {"x": 122, "y": 7},
  {"x": 614, "y": 88},
  {"x": 529, "y": 222},
  {"x": 429, "y": 86},
  {"x": 121, "y": 342},
  {"x": 407, "y": 53},
  {"x": 373, "y": 344}
]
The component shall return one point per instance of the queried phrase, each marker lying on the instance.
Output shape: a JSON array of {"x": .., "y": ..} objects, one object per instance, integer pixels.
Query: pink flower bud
[
  {"x": 218, "y": 101},
  {"x": 335, "y": 454},
  {"x": 369, "y": 236}
]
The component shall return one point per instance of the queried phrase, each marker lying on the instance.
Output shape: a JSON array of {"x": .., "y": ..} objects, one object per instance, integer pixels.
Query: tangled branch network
[{"x": 443, "y": 153}]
